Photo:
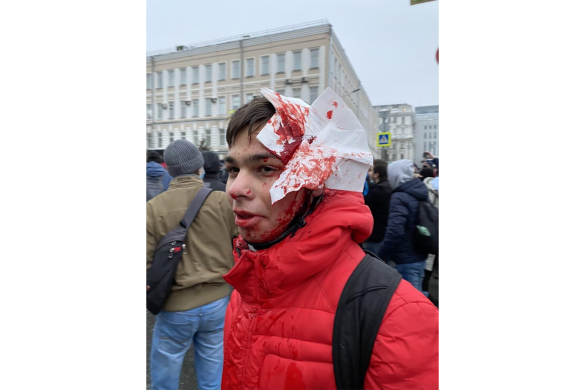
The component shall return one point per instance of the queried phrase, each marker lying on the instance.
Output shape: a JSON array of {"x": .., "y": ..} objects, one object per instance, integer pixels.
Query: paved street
[{"x": 188, "y": 380}]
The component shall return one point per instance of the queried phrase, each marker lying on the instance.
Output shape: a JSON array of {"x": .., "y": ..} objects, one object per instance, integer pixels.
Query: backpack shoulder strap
[
  {"x": 361, "y": 308},
  {"x": 194, "y": 207}
]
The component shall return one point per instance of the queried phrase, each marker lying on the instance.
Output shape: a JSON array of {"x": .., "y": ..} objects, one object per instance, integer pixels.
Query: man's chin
[{"x": 262, "y": 237}]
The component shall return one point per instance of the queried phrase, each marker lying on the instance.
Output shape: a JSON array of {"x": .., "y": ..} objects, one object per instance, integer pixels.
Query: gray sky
[{"x": 390, "y": 44}]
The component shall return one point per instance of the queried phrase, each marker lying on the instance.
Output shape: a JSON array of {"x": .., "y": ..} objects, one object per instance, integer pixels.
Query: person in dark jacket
[
  {"x": 397, "y": 245},
  {"x": 211, "y": 167},
  {"x": 157, "y": 177},
  {"x": 378, "y": 200},
  {"x": 223, "y": 173}
]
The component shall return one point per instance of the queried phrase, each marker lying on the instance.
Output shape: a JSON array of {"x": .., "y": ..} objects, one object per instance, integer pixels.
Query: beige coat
[{"x": 199, "y": 277}]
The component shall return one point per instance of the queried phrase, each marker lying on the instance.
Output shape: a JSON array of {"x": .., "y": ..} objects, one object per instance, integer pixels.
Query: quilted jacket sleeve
[{"x": 406, "y": 351}]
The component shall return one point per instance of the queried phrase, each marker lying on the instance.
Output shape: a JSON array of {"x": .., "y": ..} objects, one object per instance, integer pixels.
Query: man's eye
[
  {"x": 232, "y": 170},
  {"x": 267, "y": 169}
]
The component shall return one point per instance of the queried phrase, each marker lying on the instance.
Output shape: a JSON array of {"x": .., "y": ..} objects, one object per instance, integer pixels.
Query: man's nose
[{"x": 241, "y": 186}]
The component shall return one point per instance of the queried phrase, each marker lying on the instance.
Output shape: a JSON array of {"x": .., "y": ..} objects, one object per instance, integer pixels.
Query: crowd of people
[
  {"x": 260, "y": 282},
  {"x": 393, "y": 194}
]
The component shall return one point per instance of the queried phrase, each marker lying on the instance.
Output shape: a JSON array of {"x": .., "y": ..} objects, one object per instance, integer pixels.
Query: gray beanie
[{"x": 182, "y": 158}]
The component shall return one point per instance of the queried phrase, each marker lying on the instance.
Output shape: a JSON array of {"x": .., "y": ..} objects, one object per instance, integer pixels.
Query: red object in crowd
[
  {"x": 164, "y": 165},
  {"x": 279, "y": 322},
  {"x": 437, "y": 56}
]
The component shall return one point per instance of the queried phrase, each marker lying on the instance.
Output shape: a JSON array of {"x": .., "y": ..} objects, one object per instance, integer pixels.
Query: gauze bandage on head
[{"x": 322, "y": 145}]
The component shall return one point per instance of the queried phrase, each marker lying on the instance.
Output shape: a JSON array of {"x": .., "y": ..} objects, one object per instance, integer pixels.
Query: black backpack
[
  {"x": 425, "y": 238},
  {"x": 167, "y": 256},
  {"x": 361, "y": 308}
]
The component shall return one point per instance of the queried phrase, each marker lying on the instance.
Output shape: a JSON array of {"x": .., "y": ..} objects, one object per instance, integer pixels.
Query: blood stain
[{"x": 329, "y": 114}]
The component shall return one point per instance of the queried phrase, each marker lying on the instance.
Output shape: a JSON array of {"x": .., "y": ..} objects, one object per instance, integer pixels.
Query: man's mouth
[{"x": 245, "y": 219}]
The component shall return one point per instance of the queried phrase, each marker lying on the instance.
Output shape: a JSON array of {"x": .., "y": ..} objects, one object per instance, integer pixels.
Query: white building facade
[
  {"x": 192, "y": 90},
  {"x": 426, "y": 131},
  {"x": 398, "y": 119}
]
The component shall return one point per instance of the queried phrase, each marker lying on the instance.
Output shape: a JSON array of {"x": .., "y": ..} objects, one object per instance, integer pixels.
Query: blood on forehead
[{"x": 289, "y": 124}]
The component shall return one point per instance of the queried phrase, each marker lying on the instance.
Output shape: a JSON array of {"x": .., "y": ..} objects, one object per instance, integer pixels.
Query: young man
[
  {"x": 194, "y": 312},
  {"x": 294, "y": 256}
]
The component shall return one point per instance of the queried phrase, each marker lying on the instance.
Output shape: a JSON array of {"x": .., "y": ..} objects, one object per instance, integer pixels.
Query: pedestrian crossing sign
[{"x": 384, "y": 139}]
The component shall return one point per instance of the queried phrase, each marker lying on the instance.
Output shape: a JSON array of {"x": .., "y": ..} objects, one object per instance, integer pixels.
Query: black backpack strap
[
  {"x": 361, "y": 308},
  {"x": 194, "y": 207}
]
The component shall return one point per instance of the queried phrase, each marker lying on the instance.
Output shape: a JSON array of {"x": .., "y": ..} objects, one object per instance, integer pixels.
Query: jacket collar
[
  {"x": 340, "y": 221},
  {"x": 186, "y": 181}
]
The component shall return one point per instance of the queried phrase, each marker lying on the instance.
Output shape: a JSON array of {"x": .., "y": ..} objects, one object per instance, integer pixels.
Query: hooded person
[
  {"x": 296, "y": 174},
  {"x": 397, "y": 246},
  {"x": 157, "y": 177},
  {"x": 211, "y": 165}
]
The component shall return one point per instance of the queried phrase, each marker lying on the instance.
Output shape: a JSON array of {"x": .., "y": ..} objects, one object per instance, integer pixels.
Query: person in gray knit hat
[
  {"x": 183, "y": 158},
  {"x": 194, "y": 312}
]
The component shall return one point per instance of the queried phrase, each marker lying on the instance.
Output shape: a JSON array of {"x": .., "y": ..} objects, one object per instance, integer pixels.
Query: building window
[
  {"x": 425, "y": 127},
  {"x": 236, "y": 69},
  {"x": 222, "y": 105},
  {"x": 265, "y": 65},
  {"x": 280, "y": 91},
  {"x": 435, "y": 136},
  {"x": 207, "y": 137},
  {"x": 249, "y": 67},
  {"x": 435, "y": 127},
  {"x": 425, "y": 147},
  {"x": 221, "y": 137},
  {"x": 235, "y": 102},
  {"x": 171, "y": 110},
  {"x": 195, "y": 108},
  {"x": 149, "y": 140},
  {"x": 171, "y": 78},
  {"x": 297, "y": 93},
  {"x": 222, "y": 71},
  {"x": 160, "y": 134},
  {"x": 296, "y": 60},
  {"x": 207, "y": 73},
  {"x": 171, "y": 136},
  {"x": 196, "y": 75},
  {"x": 183, "y": 135},
  {"x": 314, "y": 58},
  {"x": 402, "y": 156},
  {"x": 249, "y": 97},
  {"x": 314, "y": 94},
  {"x": 208, "y": 107},
  {"x": 280, "y": 63},
  {"x": 159, "y": 80},
  {"x": 159, "y": 111},
  {"x": 148, "y": 81},
  {"x": 183, "y": 76},
  {"x": 149, "y": 111},
  {"x": 425, "y": 136},
  {"x": 183, "y": 109}
]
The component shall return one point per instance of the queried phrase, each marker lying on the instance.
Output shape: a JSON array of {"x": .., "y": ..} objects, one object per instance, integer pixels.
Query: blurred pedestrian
[
  {"x": 397, "y": 246},
  {"x": 378, "y": 200},
  {"x": 157, "y": 177},
  {"x": 211, "y": 168}
]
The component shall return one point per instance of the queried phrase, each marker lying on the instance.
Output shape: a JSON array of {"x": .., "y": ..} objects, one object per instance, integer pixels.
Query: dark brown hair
[{"x": 251, "y": 116}]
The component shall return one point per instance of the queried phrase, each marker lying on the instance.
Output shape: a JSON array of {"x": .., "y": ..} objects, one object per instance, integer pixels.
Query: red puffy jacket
[{"x": 279, "y": 323}]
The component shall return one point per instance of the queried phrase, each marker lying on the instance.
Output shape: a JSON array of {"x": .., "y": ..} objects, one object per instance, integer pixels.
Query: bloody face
[{"x": 252, "y": 171}]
